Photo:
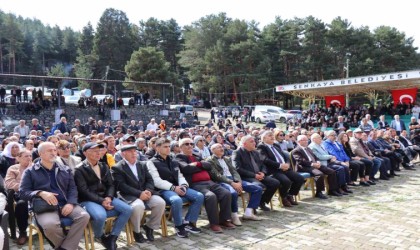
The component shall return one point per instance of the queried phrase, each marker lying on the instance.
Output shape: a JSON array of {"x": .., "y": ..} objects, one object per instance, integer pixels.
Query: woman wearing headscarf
[
  {"x": 12, "y": 182},
  {"x": 8, "y": 157},
  {"x": 230, "y": 140},
  {"x": 217, "y": 138},
  {"x": 200, "y": 147}
]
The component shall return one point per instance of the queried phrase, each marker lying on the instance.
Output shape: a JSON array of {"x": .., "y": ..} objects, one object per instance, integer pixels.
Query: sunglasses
[
  {"x": 129, "y": 141},
  {"x": 188, "y": 144},
  {"x": 281, "y": 134},
  {"x": 64, "y": 147}
]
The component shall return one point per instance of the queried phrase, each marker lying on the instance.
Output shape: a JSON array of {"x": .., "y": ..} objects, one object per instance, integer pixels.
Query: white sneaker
[
  {"x": 236, "y": 221},
  {"x": 251, "y": 217}
]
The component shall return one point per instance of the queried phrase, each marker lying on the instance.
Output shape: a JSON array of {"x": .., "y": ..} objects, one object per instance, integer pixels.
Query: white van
[
  {"x": 279, "y": 113},
  {"x": 188, "y": 108}
]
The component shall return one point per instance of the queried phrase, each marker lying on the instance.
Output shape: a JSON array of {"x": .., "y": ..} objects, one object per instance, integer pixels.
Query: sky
[{"x": 76, "y": 14}]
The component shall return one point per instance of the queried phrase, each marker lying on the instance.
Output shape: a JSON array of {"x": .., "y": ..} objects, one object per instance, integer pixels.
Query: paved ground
[{"x": 384, "y": 216}]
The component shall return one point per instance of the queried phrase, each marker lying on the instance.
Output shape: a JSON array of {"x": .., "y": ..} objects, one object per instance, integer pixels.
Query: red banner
[
  {"x": 337, "y": 100},
  {"x": 404, "y": 96}
]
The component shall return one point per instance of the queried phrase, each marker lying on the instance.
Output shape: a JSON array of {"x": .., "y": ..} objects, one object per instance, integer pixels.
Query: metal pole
[
  {"x": 347, "y": 76},
  {"x": 115, "y": 96},
  {"x": 59, "y": 96}
]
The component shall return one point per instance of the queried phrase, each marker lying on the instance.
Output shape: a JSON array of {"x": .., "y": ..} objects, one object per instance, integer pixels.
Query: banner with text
[
  {"x": 404, "y": 95},
  {"x": 415, "y": 74},
  {"x": 337, "y": 100}
]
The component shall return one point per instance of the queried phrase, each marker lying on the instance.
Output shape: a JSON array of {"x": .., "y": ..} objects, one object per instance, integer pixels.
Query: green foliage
[
  {"x": 147, "y": 65},
  {"x": 224, "y": 58}
]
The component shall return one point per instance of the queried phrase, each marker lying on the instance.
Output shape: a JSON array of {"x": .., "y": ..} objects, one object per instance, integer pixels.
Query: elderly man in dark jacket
[
  {"x": 196, "y": 172},
  {"x": 224, "y": 173},
  {"x": 96, "y": 194},
  {"x": 248, "y": 162},
  {"x": 54, "y": 184},
  {"x": 135, "y": 185}
]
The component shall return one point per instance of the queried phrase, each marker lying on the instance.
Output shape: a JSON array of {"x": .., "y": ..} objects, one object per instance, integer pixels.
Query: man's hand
[
  {"x": 67, "y": 209},
  {"x": 357, "y": 158},
  {"x": 316, "y": 165},
  {"x": 145, "y": 195},
  {"x": 259, "y": 176},
  {"x": 49, "y": 197},
  {"x": 346, "y": 163},
  {"x": 181, "y": 191},
  {"x": 284, "y": 166},
  {"x": 194, "y": 164},
  {"x": 107, "y": 203},
  {"x": 237, "y": 186},
  {"x": 333, "y": 159}
]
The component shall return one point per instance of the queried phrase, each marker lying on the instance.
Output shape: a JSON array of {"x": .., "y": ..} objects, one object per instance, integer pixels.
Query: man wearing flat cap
[
  {"x": 97, "y": 195},
  {"x": 135, "y": 185},
  {"x": 128, "y": 139}
]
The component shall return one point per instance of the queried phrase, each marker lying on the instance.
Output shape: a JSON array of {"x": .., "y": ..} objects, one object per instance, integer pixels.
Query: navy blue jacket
[{"x": 36, "y": 179}]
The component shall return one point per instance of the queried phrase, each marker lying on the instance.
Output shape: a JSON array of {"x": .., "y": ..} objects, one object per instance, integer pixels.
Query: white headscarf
[{"x": 8, "y": 149}]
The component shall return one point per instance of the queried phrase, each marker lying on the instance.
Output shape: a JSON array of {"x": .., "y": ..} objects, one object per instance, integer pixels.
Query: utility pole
[
  {"x": 347, "y": 69},
  {"x": 106, "y": 78}
]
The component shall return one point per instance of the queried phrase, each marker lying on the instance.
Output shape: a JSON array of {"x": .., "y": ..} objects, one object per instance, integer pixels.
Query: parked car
[
  {"x": 279, "y": 113},
  {"x": 156, "y": 102},
  {"x": 296, "y": 113},
  {"x": 189, "y": 109},
  {"x": 263, "y": 116},
  {"x": 71, "y": 99}
]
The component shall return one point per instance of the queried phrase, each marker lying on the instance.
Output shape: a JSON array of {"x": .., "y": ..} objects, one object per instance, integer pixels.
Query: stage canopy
[{"x": 354, "y": 85}]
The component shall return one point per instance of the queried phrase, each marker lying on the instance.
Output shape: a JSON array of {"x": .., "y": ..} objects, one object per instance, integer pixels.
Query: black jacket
[
  {"x": 187, "y": 169},
  {"x": 89, "y": 186},
  {"x": 269, "y": 159},
  {"x": 126, "y": 183},
  {"x": 242, "y": 162}
]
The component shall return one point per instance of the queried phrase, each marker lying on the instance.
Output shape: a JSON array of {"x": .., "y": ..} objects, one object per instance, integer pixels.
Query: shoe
[
  {"x": 149, "y": 233},
  {"x": 286, "y": 202},
  {"x": 251, "y": 217},
  {"x": 409, "y": 168},
  {"x": 216, "y": 229},
  {"x": 292, "y": 200},
  {"x": 389, "y": 176},
  {"x": 105, "y": 241},
  {"x": 370, "y": 182},
  {"x": 139, "y": 238},
  {"x": 394, "y": 174},
  {"x": 397, "y": 169},
  {"x": 321, "y": 196},
  {"x": 22, "y": 239},
  {"x": 347, "y": 190},
  {"x": 364, "y": 184},
  {"x": 113, "y": 242},
  {"x": 352, "y": 184},
  {"x": 383, "y": 178},
  {"x": 181, "y": 232},
  {"x": 335, "y": 193},
  {"x": 264, "y": 207},
  {"x": 190, "y": 227},
  {"x": 228, "y": 225},
  {"x": 236, "y": 221}
]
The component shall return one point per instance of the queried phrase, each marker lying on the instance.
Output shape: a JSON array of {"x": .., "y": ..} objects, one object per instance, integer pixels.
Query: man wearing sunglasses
[
  {"x": 217, "y": 199},
  {"x": 65, "y": 157}
]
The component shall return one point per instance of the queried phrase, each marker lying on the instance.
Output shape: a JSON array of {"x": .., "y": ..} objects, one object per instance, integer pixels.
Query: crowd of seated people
[
  {"x": 90, "y": 172},
  {"x": 352, "y": 116}
]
